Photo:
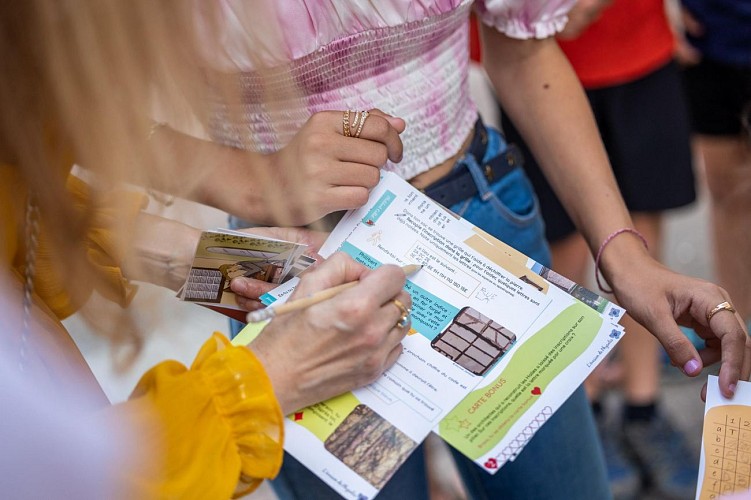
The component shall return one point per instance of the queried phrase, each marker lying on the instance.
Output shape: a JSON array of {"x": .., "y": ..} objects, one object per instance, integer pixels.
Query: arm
[
  {"x": 222, "y": 419},
  {"x": 163, "y": 250},
  {"x": 320, "y": 171},
  {"x": 540, "y": 91}
]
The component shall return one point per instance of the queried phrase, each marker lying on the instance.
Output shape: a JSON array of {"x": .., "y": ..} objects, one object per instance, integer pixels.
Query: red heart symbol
[
  {"x": 491, "y": 463},
  {"x": 536, "y": 391}
]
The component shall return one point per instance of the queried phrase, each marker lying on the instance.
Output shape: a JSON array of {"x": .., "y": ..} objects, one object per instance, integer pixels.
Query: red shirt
[{"x": 630, "y": 39}]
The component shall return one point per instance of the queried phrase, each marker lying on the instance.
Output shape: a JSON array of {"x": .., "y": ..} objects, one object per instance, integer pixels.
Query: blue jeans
[{"x": 564, "y": 459}]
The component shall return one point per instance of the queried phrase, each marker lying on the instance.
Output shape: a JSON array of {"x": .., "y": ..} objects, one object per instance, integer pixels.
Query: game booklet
[{"x": 497, "y": 344}]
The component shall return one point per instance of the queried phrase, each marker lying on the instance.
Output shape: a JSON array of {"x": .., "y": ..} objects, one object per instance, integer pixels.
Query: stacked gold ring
[
  {"x": 404, "y": 318},
  {"x": 355, "y": 125}
]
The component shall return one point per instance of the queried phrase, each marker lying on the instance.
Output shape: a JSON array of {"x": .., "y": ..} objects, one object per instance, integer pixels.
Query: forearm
[
  {"x": 212, "y": 174},
  {"x": 543, "y": 97},
  {"x": 162, "y": 251}
]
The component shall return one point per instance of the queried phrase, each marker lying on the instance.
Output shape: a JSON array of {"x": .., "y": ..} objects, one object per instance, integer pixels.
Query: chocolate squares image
[{"x": 474, "y": 341}]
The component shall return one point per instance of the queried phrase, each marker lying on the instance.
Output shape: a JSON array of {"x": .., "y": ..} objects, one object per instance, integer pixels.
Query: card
[
  {"x": 725, "y": 463},
  {"x": 223, "y": 255}
]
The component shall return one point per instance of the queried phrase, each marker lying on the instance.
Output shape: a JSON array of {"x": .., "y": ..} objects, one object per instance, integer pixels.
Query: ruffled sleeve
[
  {"x": 525, "y": 19},
  {"x": 212, "y": 431},
  {"x": 109, "y": 219}
]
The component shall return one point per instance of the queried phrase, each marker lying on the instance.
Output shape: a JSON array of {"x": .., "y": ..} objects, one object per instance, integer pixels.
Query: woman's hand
[
  {"x": 661, "y": 299},
  {"x": 687, "y": 24},
  {"x": 581, "y": 16},
  {"x": 318, "y": 172},
  {"x": 321, "y": 171},
  {"x": 248, "y": 290},
  {"x": 340, "y": 344}
]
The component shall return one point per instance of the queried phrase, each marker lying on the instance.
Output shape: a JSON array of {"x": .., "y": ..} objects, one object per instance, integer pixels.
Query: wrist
[
  {"x": 233, "y": 187},
  {"x": 163, "y": 251},
  {"x": 285, "y": 390},
  {"x": 618, "y": 254}
]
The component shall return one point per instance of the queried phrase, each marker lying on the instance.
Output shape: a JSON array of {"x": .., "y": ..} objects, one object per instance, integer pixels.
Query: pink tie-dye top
[{"x": 292, "y": 58}]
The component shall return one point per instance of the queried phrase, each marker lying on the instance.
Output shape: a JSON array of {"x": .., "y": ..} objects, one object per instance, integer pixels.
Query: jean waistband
[{"x": 488, "y": 159}]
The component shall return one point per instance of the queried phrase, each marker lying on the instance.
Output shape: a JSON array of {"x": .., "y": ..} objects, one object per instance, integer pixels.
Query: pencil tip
[{"x": 411, "y": 268}]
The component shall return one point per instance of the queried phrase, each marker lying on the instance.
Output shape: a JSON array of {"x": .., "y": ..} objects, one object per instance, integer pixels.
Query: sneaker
[
  {"x": 623, "y": 474},
  {"x": 663, "y": 457}
]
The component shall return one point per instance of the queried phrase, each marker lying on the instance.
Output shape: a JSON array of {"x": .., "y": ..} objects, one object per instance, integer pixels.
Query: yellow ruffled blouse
[{"x": 213, "y": 430}]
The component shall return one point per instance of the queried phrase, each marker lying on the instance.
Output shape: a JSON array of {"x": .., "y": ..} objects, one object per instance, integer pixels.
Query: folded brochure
[{"x": 497, "y": 344}]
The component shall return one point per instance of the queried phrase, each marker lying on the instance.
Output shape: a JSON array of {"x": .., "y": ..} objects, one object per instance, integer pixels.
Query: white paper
[
  {"x": 725, "y": 463},
  {"x": 467, "y": 275}
]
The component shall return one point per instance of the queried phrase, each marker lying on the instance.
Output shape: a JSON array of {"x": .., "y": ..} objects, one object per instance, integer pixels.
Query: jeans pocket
[
  {"x": 511, "y": 197},
  {"x": 510, "y": 212}
]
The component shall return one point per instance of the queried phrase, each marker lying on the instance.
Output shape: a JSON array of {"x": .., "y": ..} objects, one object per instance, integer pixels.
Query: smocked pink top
[{"x": 292, "y": 58}]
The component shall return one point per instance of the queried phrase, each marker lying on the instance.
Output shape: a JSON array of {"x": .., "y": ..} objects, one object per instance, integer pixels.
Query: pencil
[{"x": 296, "y": 305}]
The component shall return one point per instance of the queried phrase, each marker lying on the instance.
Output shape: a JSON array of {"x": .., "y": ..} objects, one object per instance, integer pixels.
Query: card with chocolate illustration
[
  {"x": 223, "y": 255},
  {"x": 474, "y": 341},
  {"x": 370, "y": 445}
]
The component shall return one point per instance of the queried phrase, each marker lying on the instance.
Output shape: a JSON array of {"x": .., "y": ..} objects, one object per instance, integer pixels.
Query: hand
[
  {"x": 581, "y": 15},
  {"x": 248, "y": 290},
  {"x": 320, "y": 171},
  {"x": 685, "y": 52},
  {"x": 339, "y": 344},
  {"x": 660, "y": 299}
]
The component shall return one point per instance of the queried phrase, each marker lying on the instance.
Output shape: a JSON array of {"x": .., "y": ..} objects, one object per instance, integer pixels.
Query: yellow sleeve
[
  {"x": 109, "y": 219},
  {"x": 207, "y": 432}
]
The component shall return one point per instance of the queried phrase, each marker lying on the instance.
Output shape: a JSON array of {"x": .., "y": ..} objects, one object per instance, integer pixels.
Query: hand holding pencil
[
  {"x": 320, "y": 296},
  {"x": 335, "y": 344}
]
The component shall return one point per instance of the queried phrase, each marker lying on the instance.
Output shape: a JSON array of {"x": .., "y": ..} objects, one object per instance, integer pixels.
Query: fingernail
[
  {"x": 691, "y": 366},
  {"x": 732, "y": 388},
  {"x": 239, "y": 285}
]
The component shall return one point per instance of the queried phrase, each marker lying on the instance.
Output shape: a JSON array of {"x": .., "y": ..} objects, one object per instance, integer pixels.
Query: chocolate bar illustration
[
  {"x": 204, "y": 285},
  {"x": 474, "y": 341}
]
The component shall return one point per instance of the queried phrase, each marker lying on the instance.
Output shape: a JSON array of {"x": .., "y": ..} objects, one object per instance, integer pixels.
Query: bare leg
[{"x": 727, "y": 162}]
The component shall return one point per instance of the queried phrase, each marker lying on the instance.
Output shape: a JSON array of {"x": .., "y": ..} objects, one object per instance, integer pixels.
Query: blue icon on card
[
  {"x": 614, "y": 313},
  {"x": 615, "y": 334}
]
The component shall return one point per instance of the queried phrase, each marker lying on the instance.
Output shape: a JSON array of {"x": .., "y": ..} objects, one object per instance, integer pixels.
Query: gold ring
[
  {"x": 404, "y": 318},
  {"x": 353, "y": 124},
  {"x": 724, "y": 306},
  {"x": 362, "y": 122},
  {"x": 345, "y": 124}
]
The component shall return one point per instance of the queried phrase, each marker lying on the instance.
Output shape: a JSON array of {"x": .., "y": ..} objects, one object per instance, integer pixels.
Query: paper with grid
[{"x": 725, "y": 467}]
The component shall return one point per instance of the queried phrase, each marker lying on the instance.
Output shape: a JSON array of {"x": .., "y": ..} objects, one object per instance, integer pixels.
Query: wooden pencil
[{"x": 320, "y": 296}]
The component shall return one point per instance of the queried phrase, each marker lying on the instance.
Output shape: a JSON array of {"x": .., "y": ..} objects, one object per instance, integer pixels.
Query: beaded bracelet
[{"x": 602, "y": 248}]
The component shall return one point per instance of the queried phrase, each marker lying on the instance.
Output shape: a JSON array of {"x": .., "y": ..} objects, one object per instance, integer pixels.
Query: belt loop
[{"x": 478, "y": 176}]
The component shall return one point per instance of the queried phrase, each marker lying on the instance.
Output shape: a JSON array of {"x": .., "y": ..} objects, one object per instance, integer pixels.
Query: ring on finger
[
  {"x": 722, "y": 306},
  {"x": 363, "y": 116},
  {"x": 346, "y": 130},
  {"x": 404, "y": 318}
]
